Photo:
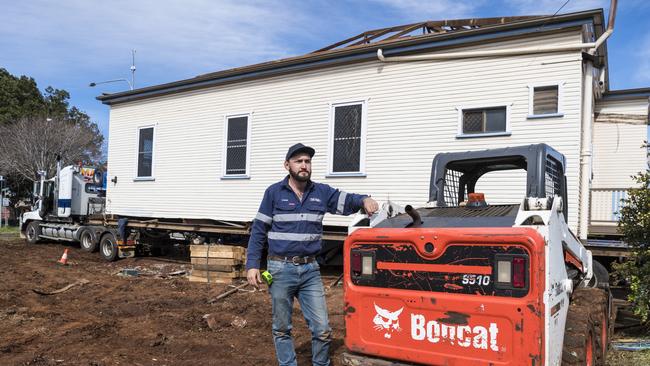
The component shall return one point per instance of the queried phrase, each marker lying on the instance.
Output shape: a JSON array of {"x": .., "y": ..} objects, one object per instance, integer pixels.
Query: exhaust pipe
[{"x": 415, "y": 216}]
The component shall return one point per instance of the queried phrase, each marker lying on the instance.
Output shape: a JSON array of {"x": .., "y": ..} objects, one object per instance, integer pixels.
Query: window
[
  {"x": 145, "y": 152},
  {"x": 483, "y": 121},
  {"x": 544, "y": 101},
  {"x": 347, "y": 138},
  {"x": 236, "y": 146}
]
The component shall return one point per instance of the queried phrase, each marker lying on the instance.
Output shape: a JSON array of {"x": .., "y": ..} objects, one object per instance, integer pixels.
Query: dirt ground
[
  {"x": 145, "y": 320},
  {"x": 152, "y": 319}
]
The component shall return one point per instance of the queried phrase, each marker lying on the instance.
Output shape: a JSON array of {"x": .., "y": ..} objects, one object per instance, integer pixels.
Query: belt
[{"x": 295, "y": 259}]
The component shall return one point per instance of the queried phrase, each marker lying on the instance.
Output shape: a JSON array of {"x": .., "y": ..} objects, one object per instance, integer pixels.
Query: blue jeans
[{"x": 303, "y": 282}]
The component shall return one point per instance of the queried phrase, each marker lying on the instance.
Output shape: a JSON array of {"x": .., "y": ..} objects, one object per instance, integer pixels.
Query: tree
[
  {"x": 634, "y": 225},
  {"x": 35, "y": 127},
  {"x": 19, "y": 97},
  {"x": 33, "y": 143}
]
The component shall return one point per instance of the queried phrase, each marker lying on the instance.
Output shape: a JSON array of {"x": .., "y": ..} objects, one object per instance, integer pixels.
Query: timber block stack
[{"x": 217, "y": 263}]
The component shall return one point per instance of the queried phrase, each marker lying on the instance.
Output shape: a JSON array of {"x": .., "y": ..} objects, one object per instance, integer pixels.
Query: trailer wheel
[
  {"x": 87, "y": 241},
  {"x": 108, "y": 247},
  {"x": 586, "y": 330},
  {"x": 33, "y": 231}
]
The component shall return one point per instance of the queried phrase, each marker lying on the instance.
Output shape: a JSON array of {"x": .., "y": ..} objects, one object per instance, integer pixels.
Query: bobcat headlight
[
  {"x": 367, "y": 265},
  {"x": 363, "y": 263}
]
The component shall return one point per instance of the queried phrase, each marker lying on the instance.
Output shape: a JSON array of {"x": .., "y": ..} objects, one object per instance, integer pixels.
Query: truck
[
  {"x": 460, "y": 281},
  {"x": 70, "y": 207}
]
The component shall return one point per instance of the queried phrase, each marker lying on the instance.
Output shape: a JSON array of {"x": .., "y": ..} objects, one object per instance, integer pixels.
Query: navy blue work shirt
[{"x": 292, "y": 227}]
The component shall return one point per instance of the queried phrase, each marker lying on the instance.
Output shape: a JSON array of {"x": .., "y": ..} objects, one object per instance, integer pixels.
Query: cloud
[
  {"x": 195, "y": 34},
  {"x": 432, "y": 10},
  {"x": 549, "y": 7}
]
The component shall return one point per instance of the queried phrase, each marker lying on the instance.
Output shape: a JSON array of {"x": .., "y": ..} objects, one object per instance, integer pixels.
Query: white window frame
[
  {"x": 362, "y": 153},
  {"x": 153, "y": 153},
  {"x": 224, "y": 151},
  {"x": 462, "y": 135},
  {"x": 531, "y": 99}
]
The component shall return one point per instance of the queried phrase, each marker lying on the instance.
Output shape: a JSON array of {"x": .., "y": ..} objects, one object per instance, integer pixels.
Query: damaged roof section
[{"x": 386, "y": 35}]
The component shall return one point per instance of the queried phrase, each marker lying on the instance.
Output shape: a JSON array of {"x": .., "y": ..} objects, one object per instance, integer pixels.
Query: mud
[{"x": 152, "y": 319}]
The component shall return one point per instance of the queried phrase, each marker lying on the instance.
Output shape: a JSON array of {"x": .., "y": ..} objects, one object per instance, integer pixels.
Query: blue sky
[{"x": 69, "y": 43}]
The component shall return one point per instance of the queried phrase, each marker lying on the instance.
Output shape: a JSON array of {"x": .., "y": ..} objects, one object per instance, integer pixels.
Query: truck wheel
[
  {"x": 583, "y": 333},
  {"x": 33, "y": 231},
  {"x": 108, "y": 247},
  {"x": 87, "y": 241}
]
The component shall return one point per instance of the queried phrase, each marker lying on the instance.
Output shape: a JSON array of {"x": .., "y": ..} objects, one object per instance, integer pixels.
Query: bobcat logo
[{"x": 387, "y": 321}]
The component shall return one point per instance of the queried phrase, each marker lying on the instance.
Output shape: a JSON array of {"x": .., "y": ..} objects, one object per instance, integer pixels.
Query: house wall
[
  {"x": 620, "y": 129},
  {"x": 411, "y": 116}
]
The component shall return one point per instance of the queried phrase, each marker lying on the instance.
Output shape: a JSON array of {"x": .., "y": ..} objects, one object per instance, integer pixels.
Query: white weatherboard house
[{"x": 207, "y": 147}]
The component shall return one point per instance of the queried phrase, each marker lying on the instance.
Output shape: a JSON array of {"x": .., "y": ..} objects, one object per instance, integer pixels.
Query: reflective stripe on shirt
[
  {"x": 294, "y": 236},
  {"x": 341, "y": 204},
  {"x": 298, "y": 217},
  {"x": 262, "y": 217}
]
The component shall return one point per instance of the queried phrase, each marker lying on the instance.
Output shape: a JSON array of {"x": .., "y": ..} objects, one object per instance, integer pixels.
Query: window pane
[
  {"x": 545, "y": 100},
  {"x": 347, "y": 138},
  {"x": 144, "y": 164},
  {"x": 236, "y": 145},
  {"x": 495, "y": 120},
  {"x": 237, "y": 130},
  {"x": 145, "y": 152},
  {"x": 473, "y": 121}
]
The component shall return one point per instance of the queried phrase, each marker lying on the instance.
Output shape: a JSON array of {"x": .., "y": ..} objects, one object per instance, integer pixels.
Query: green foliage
[
  {"x": 634, "y": 225},
  {"x": 61, "y": 130},
  {"x": 19, "y": 97}
]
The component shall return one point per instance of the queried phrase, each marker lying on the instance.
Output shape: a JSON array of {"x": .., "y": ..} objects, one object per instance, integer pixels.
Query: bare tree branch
[{"x": 32, "y": 144}]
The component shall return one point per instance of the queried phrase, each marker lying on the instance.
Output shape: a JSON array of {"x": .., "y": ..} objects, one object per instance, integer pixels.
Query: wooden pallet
[{"x": 217, "y": 263}]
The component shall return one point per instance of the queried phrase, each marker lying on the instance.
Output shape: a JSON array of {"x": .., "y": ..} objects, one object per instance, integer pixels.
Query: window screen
[
  {"x": 236, "y": 145},
  {"x": 452, "y": 187},
  {"x": 553, "y": 177},
  {"x": 145, "y": 152},
  {"x": 545, "y": 100},
  {"x": 484, "y": 120},
  {"x": 347, "y": 139}
]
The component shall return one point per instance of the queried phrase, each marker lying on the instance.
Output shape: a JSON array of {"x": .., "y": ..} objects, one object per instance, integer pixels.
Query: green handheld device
[{"x": 266, "y": 275}]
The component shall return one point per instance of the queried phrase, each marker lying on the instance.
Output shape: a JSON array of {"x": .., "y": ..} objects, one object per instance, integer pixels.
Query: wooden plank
[
  {"x": 212, "y": 280},
  {"x": 211, "y": 274},
  {"x": 218, "y": 254},
  {"x": 221, "y": 247},
  {"x": 217, "y": 267},
  {"x": 216, "y": 261},
  {"x": 217, "y": 251}
]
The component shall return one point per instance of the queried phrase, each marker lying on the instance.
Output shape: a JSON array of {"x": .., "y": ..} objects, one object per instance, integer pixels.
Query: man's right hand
[{"x": 254, "y": 278}]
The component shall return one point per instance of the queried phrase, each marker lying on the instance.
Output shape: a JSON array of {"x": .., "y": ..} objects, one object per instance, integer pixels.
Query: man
[{"x": 290, "y": 218}]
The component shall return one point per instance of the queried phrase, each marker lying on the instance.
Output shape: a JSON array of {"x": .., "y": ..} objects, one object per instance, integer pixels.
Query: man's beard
[{"x": 298, "y": 177}]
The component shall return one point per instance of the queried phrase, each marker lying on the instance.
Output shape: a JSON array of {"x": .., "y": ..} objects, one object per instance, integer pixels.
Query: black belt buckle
[{"x": 297, "y": 260}]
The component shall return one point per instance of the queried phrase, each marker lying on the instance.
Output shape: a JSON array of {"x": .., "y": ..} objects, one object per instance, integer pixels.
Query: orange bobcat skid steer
[{"x": 466, "y": 283}]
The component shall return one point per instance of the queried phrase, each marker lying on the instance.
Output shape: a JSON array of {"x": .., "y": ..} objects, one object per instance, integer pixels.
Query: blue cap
[{"x": 300, "y": 148}]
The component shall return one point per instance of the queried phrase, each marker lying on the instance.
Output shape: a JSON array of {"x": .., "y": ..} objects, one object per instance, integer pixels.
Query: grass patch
[
  {"x": 9, "y": 230},
  {"x": 627, "y": 358}
]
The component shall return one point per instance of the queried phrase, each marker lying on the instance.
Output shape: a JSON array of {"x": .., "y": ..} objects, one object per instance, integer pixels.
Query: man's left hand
[{"x": 370, "y": 206}]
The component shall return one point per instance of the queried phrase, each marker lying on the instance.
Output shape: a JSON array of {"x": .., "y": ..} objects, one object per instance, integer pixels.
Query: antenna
[{"x": 132, "y": 69}]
